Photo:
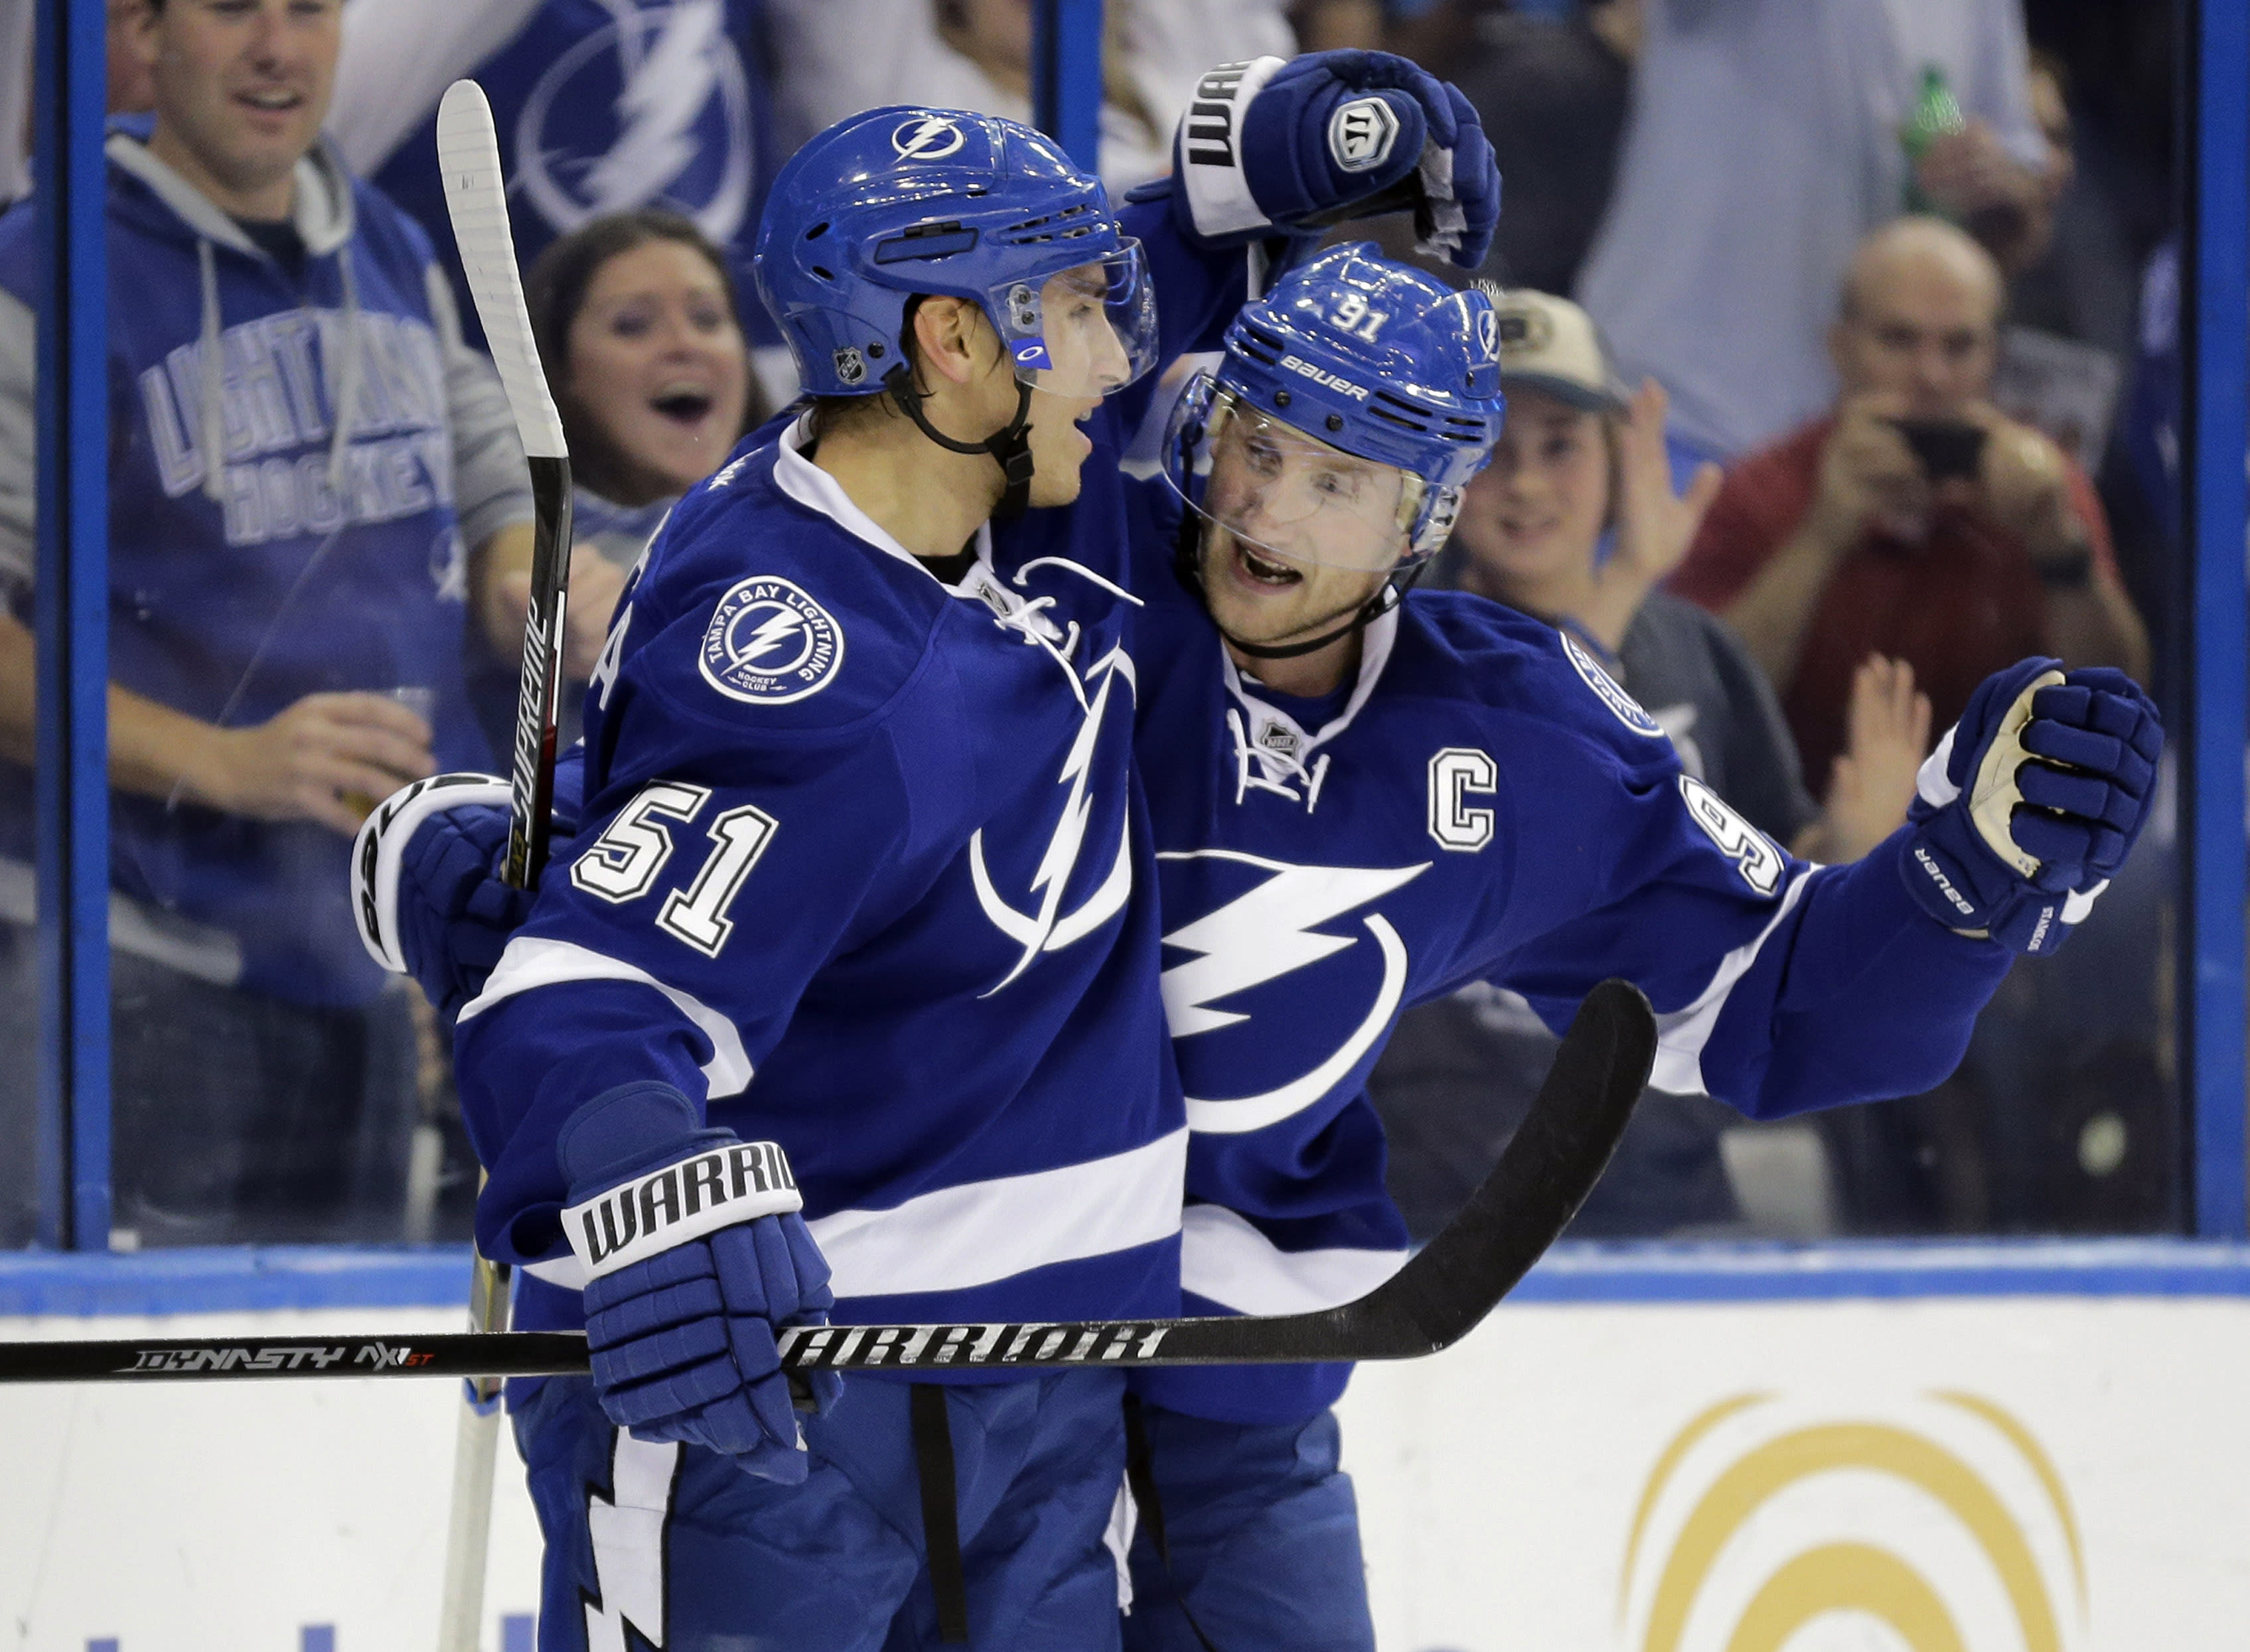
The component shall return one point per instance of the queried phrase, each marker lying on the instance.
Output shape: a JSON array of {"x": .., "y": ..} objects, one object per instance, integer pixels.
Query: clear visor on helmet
[
  {"x": 1083, "y": 331},
  {"x": 1270, "y": 484}
]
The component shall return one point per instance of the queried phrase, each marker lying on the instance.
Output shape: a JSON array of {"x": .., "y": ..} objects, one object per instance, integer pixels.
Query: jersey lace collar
[
  {"x": 814, "y": 490},
  {"x": 1271, "y": 749}
]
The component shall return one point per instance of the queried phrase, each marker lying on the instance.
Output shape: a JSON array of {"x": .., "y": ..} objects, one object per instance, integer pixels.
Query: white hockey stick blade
[{"x": 476, "y": 199}]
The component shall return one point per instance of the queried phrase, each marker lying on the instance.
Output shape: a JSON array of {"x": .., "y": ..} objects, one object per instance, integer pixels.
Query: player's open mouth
[
  {"x": 1263, "y": 569},
  {"x": 683, "y": 406},
  {"x": 272, "y": 100}
]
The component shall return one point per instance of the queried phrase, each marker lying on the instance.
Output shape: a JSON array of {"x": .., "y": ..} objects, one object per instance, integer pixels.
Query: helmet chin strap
[
  {"x": 1010, "y": 446},
  {"x": 1187, "y": 567}
]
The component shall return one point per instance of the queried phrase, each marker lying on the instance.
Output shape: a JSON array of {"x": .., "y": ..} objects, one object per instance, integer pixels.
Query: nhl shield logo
[
  {"x": 851, "y": 366},
  {"x": 1361, "y": 134},
  {"x": 769, "y": 644}
]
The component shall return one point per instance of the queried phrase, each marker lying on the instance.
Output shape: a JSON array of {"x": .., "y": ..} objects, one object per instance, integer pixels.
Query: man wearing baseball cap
[{"x": 1576, "y": 520}]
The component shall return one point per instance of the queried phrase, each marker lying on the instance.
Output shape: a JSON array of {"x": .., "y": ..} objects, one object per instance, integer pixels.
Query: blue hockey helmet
[
  {"x": 1352, "y": 403},
  {"x": 901, "y": 200}
]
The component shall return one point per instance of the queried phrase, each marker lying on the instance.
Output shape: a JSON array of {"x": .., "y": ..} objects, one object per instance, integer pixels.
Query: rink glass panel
[{"x": 243, "y": 1113}]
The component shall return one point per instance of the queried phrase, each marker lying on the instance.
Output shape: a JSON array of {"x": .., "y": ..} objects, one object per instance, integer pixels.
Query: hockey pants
[
  {"x": 700, "y": 1557},
  {"x": 1261, "y": 1534}
]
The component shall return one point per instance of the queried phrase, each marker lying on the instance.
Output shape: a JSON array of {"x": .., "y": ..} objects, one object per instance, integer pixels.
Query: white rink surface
[
  {"x": 1498, "y": 1484},
  {"x": 224, "y": 1516}
]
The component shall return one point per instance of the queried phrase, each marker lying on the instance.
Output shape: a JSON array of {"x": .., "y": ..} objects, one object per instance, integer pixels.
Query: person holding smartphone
[{"x": 1914, "y": 520}]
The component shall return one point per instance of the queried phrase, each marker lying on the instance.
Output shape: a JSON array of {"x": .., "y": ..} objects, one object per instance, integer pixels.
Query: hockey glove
[
  {"x": 1272, "y": 148},
  {"x": 426, "y": 888},
  {"x": 698, "y": 1256},
  {"x": 2031, "y": 801}
]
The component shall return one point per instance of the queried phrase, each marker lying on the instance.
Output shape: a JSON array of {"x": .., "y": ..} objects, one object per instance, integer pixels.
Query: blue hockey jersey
[
  {"x": 858, "y": 866},
  {"x": 920, "y": 802},
  {"x": 1484, "y": 803}
]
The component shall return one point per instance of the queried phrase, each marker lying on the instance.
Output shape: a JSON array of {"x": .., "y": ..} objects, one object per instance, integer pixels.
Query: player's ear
[
  {"x": 947, "y": 331},
  {"x": 138, "y": 32}
]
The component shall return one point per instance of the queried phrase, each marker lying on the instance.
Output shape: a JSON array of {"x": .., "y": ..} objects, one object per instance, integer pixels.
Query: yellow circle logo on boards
[{"x": 1769, "y": 1525}]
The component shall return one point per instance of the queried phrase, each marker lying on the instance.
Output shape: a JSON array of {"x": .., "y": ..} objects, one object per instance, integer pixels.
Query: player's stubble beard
[{"x": 1323, "y": 599}]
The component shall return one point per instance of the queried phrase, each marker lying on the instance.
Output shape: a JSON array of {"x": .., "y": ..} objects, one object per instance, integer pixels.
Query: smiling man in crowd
[{"x": 310, "y": 482}]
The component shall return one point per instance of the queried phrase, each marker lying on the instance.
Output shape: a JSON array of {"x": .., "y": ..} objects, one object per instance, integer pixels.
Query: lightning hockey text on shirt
[{"x": 277, "y": 400}]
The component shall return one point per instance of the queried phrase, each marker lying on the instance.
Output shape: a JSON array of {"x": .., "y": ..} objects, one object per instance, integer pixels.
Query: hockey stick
[
  {"x": 1452, "y": 1283},
  {"x": 476, "y": 200}
]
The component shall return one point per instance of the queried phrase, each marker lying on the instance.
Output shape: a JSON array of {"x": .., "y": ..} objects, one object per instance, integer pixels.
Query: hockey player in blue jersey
[
  {"x": 859, "y": 821},
  {"x": 948, "y": 997},
  {"x": 1362, "y": 803}
]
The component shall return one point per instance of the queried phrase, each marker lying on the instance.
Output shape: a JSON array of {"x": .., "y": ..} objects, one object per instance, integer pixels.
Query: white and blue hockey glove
[
  {"x": 698, "y": 1256},
  {"x": 2031, "y": 802},
  {"x": 427, "y": 886},
  {"x": 1272, "y": 148}
]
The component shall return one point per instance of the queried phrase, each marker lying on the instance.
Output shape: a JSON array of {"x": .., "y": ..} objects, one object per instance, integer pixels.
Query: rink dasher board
[{"x": 1499, "y": 1484}]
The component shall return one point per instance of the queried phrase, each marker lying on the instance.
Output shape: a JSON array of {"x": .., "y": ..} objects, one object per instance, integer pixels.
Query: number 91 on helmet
[{"x": 1351, "y": 404}]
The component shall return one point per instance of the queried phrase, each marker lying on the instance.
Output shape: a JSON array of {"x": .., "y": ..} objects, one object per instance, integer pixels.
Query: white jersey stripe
[
  {"x": 981, "y": 1233},
  {"x": 1224, "y": 1258},
  {"x": 1681, "y": 1034},
  {"x": 530, "y": 963}
]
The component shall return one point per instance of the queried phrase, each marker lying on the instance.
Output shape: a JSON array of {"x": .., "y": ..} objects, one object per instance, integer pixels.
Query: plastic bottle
[{"x": 1936, "y": 112}]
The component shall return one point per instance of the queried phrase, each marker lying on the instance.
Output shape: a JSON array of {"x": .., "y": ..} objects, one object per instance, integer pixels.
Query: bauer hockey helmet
[
  {"x": 900, "y": 201},
  {"x": 1353, "y": 403}
]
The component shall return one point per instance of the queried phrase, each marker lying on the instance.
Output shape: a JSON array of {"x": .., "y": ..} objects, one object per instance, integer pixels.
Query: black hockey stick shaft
[
  {"x": 538, "y": 708},
  {"x": 476, "y": 201},
  {"x": 1545, "y": 1174}
]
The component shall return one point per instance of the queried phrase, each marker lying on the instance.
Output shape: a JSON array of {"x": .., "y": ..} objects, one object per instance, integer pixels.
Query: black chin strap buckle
[
  {"x": 1010, "y": 446},
  {"x": 1011, "y": 451}
]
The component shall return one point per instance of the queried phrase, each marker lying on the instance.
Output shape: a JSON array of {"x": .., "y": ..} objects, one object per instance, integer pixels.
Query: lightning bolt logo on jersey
[
  {"x": 653, "y": 106},
  {"x": 603, "y": 106},
  {"x": 1477, "y": 809},
  {"x": 1051, "y": 928},
  {"x": 1294, "y": 932},
  {"x": 769, "y": 643},
  {"x": 863, "y": 857}
]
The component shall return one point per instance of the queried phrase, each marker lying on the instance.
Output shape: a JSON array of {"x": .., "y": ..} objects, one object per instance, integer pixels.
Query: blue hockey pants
[
  {"x": 1263, "y": 1536},
  {"x": 700, "y": 1557}
]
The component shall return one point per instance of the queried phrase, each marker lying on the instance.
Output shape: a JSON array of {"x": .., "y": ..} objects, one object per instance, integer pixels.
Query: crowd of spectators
[{"x": 1817, "y": 324}]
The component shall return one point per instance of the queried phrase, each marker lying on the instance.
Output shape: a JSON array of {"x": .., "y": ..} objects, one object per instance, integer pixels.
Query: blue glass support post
[
  {"x": 2214, "y": 792},
  {"x": 1066, "y": 76},
  {"x": 73, "y": 602}
]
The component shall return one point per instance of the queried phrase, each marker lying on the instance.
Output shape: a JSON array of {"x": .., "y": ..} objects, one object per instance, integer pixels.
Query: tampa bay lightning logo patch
[
  {"x": 769, "y": 644},
  {"x": 1361, "y": 134},
  {"x": 1623, "y": 705}
]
